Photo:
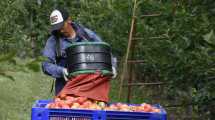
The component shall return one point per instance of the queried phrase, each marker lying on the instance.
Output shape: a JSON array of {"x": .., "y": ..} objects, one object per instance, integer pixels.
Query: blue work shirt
[{"x": 54, "y": 69}]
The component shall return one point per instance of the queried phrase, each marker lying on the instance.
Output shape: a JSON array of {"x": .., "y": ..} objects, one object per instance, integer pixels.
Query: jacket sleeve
[
  {"x": 49, "y": 66},
  {"x": 93, "y": 35}
]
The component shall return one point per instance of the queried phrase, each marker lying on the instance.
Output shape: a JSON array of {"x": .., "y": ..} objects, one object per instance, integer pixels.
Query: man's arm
[
  {"x": 49, "y": 66},
  {"x": 93, "y": 35},
  {"x": 52, "y": 69}
]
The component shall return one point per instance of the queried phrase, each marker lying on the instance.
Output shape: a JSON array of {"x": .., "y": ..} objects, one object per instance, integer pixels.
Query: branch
[
  {"x": 141, "y": 84},
  {"x": 150, "y": 15},
  {"x": 128, "y": 50}
]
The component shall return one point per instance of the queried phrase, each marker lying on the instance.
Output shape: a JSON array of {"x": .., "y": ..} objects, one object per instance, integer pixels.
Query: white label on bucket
[{"x": 90, "y": 57}]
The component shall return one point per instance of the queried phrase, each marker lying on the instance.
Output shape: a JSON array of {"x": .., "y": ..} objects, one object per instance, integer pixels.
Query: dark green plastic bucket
[{"x": 88, "y": 57}]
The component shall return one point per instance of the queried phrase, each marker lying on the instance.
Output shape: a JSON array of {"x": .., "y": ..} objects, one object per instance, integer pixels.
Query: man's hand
[
  {"x": 114, "y": 72},
  {"x": 65, "y": 74}
]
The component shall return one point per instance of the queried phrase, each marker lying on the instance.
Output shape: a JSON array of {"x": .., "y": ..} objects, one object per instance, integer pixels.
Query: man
[{"x": 64, "y": 32}]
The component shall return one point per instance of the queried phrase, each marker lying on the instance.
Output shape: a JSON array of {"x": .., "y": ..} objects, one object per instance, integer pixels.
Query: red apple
[{"x": 81, "y": 100}]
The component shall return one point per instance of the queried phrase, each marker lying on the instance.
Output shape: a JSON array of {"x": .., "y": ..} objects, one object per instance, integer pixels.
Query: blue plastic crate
[{"x": 39, "y": 112}]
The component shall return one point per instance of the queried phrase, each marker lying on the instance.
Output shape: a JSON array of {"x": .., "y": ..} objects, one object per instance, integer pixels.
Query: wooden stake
[{"x": 124, "y": 70}]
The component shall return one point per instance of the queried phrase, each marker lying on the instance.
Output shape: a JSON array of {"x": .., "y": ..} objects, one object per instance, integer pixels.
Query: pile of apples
[{"x": 72, "y": 102}]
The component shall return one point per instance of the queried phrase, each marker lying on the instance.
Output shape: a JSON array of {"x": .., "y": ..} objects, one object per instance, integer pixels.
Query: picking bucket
[{"x": 87, "y": 57}]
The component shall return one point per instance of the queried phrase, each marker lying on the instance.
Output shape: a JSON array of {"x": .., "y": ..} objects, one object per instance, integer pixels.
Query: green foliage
[
  {"x": 27, "y": 66},
  {"x": 2, "y": 73},
  {"x": 7, "y": 57},
  {"x": 178, "y": 49},
  {"x": 35, "y": 64}
]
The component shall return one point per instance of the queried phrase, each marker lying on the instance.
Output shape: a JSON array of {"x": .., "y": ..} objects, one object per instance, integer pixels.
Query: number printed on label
[{"x": 90, "y": 57}]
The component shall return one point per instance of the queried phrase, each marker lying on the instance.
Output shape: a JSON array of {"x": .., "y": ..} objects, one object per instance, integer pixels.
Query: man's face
[{"x": 67, "y": 29}]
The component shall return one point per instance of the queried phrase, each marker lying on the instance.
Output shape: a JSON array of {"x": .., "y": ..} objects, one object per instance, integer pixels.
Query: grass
[{"x": 18, "y": 96}]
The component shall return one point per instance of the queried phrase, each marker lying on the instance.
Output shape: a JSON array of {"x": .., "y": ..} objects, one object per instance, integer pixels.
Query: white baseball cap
[{"x": 57, "y": 19}]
